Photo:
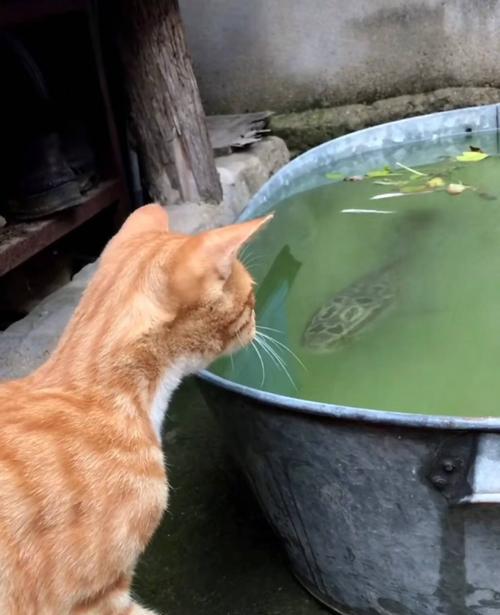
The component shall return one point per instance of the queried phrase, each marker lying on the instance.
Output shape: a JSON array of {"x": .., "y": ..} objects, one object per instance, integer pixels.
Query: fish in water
[{"x": 358, "y": 303}]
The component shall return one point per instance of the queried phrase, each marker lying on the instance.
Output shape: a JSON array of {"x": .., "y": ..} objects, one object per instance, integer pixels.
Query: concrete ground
[{"x": 214, "y": 552}]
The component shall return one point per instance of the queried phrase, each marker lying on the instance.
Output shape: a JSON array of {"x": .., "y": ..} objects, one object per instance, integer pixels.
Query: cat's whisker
[
  {"x": 255, "y": 257},
  {"x": 253, "y": 269},
  {"x": 252, "y": 262},
  {"x": 271, "y": 329},
  {"x": 243, "y": 261},
  {"x": 248, "y": 259},
  {"x": 245, "y": 254},
  {"x": 244, "y": 251},
  {"x": 266, "y": 349},
  {"x": 276, "y": 359},
  {"x": 232, "y": 363},
  {"x": 284, "y": 346},
  {"x": 254, "y": 346}
]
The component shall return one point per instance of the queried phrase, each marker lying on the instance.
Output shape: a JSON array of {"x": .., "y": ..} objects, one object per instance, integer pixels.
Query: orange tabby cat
[{"x": 82, "y": 477}]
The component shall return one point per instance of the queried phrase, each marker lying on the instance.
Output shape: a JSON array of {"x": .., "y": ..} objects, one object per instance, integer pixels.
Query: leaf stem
[{"x": 403, "y": 166}]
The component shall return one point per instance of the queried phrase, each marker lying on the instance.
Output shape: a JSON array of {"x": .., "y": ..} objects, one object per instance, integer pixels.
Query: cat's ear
[
  {"x": 219, "y": 247},
  {"x": 205, "y": 261},
  {"x": 147, "y": 218},
  {"x": 152, "y": 217}
]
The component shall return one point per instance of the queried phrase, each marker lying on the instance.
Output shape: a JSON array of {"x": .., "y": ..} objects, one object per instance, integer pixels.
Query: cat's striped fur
[{"x": 82, "y": 476}]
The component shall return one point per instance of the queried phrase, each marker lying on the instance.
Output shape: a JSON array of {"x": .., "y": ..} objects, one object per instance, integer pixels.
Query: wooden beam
[{"x": 168, "y": 115}]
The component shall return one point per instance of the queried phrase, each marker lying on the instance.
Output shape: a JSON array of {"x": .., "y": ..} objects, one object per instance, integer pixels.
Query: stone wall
[
  {"x": 289, "y": 55},
  {"x": 305, "y": 129}
]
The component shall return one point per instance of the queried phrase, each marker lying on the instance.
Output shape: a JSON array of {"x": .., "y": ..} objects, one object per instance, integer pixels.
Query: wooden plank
[
  {"x": 166, "y": 107},
  {"x": 13, "y": 12},
  {"x": 20, "y": 241},
  {"x": 237, "y": 131}
]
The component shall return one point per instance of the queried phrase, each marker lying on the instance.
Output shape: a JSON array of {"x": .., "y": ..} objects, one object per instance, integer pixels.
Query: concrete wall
[{"x": 294, "y": 54}]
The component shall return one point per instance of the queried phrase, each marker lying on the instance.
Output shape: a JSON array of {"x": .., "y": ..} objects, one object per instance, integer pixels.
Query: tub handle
[{"x": 484, "y": 474}]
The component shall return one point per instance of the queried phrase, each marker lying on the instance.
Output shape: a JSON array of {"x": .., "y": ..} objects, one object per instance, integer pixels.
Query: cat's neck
[
  {"x": 164, "y": 389},
  {"x": 135, "y": 373}
]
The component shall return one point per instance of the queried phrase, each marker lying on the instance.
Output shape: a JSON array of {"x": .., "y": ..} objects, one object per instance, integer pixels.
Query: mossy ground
[{"x": 214, "y": 552}]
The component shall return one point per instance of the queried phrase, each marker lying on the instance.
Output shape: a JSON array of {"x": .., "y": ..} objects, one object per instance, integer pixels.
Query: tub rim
[
  {"x": 352, "y": 413},
  {"x": 486, "y": 118}
]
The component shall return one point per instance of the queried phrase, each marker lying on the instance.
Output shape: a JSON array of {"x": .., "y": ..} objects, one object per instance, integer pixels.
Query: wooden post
[{"x": 168, "y": 115}]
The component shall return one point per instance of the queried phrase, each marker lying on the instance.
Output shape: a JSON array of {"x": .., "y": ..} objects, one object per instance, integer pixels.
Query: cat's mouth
[{"x": 243, "y": 335}]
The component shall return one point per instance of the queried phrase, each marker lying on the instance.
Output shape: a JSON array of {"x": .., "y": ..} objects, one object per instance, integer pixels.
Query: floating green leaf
[
  {"x": 427, "y": 181},
  {"x": 387, "y": 182},
  {"x": 380, "y": 173},
  {"x": 414, "y": 188},
  {"x": 472, "y": 156},
  {"x": 410, "y": 170},
  {"x": 335, "y": 177},
  {"x": 436, "y": 182}
]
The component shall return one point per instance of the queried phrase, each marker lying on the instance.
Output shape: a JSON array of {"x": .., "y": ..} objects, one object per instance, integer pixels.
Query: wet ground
[{"x": 214, "y": 552}]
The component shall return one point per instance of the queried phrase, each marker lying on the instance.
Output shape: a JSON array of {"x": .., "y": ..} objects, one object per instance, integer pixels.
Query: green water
[{"x": 435, "y": 346}]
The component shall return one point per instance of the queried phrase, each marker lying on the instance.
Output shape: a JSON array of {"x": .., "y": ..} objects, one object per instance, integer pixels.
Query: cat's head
[{"x": 193, "y": 288}]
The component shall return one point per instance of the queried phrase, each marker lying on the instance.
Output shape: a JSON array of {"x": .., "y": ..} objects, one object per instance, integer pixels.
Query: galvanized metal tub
[{"x": 379, "y": 512}]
